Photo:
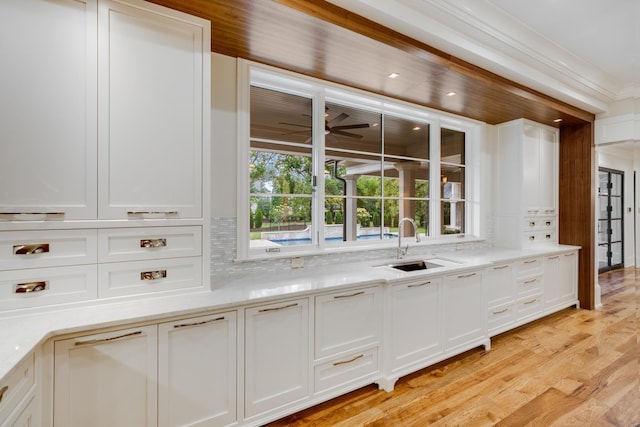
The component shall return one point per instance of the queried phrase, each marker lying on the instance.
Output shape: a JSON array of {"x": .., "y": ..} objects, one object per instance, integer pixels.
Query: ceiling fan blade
[
  {"x": 340, "y": 117},
  {"x": 347, "y": 134},
  {"x": 360, "y": 126},
  {"x": 294, "y": 124}
]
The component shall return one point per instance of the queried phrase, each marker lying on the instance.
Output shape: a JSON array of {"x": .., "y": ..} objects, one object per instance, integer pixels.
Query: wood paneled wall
[{"x": 577, "y": 203}]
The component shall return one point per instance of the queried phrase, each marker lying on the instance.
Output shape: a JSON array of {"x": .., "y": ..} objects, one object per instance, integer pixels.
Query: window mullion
[
  {"x": 318, "y": 193},
  {"x": 434, "y": 189}
]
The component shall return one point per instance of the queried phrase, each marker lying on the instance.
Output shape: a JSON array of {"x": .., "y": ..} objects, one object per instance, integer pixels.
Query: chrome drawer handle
[
  {"x": 531, "y": 261},
  {"x": 262, "y": 310},
  {"x": 99, "y": 340},
  {"x": 532, "y": 237},
  {"x": 3, "y": 390},
  {"x": 153, "y": 243},
  {"x": 502, "y": 267},
  {"x": 153, "y": 275},
  {"x": 33, "y": 213},
  {"x": 532, "y": 224},
  {"x": 343, "y": 362},
  {"x": 184, "y": 325},
  {"x": 548, "y": 223},
  {"x": 348, "y": 296},
  {"x": 39, "y": 248},
  {"x": 528, "y": 282},
  {"x": 504, "y": 310},
  {"x": 464, "y": 276},
  {"x": 416, "y": 285},
  {"x": 571, "y": 254},
  {"x": 553, "y": 257},
  {"x": 548, "y": 236},
  {"x": 26, "y": 288},
  {"x": 152, "y": 212},
  {"x": 530, "y": 302}
]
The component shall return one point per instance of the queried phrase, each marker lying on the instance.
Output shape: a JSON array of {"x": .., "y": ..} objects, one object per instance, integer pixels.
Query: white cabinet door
[
  {"x": 415, "y": 331},
  {"x": 464, "y": 309},
  {"x": 530, "y": 170},
  {"x": 560, "y": 279},
  {"x": 500, "y": 284},
  {"x": 346, "y": 320},
  {"x": 197, "y": 371},
  {"x": 48, "y": 112},
  {"x": 277, "y": 355},
  {"x": 548, "y": 185},
  {"x": 152, "y": 64},
  {"x": 107, "y": 379}
]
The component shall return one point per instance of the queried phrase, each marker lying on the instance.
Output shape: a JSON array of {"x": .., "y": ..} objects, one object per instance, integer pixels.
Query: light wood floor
[{"x": 576, "y": 367}]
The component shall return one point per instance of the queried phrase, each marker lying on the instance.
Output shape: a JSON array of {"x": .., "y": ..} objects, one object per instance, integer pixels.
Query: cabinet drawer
[
  {"x": 529, "y": 306},
  {"x": 498, "y": 318},
  {"x": 149, "y": 243},
  {"x": 346, "y": 320},
  {"x": 42, "y": 286},
  {"x": 143, "y": 277},
  {"x": 539, "y": 237},
  {"x": 536, "y": 224},
  {"x": 35, "y": 249},
  {"x": 16, "y": 386},
  {"x": 529, "y": 266},
  {"x": 530, "y": 285},
  {"x": 347, "y": 369}
]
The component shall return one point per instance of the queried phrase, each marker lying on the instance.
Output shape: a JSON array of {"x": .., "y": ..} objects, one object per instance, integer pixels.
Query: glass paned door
[{"x": 610, "y": 220}]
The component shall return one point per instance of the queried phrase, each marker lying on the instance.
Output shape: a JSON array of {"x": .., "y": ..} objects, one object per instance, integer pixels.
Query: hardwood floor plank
[{"x": 573, "y": 368}]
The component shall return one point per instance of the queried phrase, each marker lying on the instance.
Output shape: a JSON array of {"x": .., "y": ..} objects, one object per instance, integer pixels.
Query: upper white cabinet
[
  {"x": 526, "y": 177},
  {"x": 151, "y": 75},
  {"x": 48, "y": 110}
]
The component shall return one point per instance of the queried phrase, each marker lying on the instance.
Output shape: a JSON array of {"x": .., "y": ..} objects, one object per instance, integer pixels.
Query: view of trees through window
[{"x": 374, "y": 170}]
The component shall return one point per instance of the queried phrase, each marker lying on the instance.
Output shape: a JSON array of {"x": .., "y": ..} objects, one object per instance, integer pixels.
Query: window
[{"x": 327, "y": 167}]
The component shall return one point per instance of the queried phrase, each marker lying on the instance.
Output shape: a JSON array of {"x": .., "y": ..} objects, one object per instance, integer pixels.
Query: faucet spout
[{"x": 403, "y": 251}]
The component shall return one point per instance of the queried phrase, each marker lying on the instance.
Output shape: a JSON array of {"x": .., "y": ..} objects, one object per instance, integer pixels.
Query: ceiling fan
[{"x": 332, "y": 128}]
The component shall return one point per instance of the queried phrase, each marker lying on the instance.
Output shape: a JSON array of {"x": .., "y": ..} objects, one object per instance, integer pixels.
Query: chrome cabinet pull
[
  {"x": 262, "y": 310},
  {"x": 3, "y": 390},
  {"x": 548, "y": 236},
  {"x": 528, "y": 282},
  {"x": 530, "y": 302},
  {"x": 153, "y": 275},
  {"x": 153, "y": 243},
  {"x": 532, "y": 223},
  {"x": 348, "y": 296},
  {"x": 416, "y": 285},
  {"x": 504, "y": 310},
  {"x": 33, "y": 213},
  {"x": 531, "y": 261},
  {"x": 184, "y": 325},
  {"x": 38, "y": 248},
  {"x": 99, "y": 340},
  {"x": 152, "y": 212},
  {"x": 463, "y": 276},
  {"x": 553, "y": 257},
  {"x": 502, "y": 267},
  {"x": 343, "y": 362},
  {"x": 548, "y": 223},
  {"x": 532, "y": 237},
  {"x": 571, "y": 254},
  {"x": 26, "y": 288}
]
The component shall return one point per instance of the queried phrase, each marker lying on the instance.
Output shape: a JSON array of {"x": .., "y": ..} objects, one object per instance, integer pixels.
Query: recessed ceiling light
[
  {"x": 557, "y": 120},
  {"x": 416, "y": 128},
  {"x": 451, "y": 93},
  {"x": 393, "y": 75}
]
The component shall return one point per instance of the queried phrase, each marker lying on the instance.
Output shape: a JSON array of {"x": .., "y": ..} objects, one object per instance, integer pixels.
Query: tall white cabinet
[
  {"x": 106, "y": 138},
  {"x": 526, "y": 189}
]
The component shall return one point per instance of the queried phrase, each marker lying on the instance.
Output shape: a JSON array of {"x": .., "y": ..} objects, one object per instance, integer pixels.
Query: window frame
[{"x": 320, "y": 92}]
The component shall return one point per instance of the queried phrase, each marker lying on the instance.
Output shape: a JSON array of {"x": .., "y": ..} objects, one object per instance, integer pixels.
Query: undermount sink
[{"x": 415, "y": 265}]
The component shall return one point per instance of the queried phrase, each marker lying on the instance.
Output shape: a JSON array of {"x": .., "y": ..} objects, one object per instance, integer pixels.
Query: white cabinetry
[
  {"x": 48, "y": 110},
  {"x": 464, "y": 299},
  {"x": 151, "y": 68},
  {"x": 276, "y": 356},
  {"x": 560, "y": 280},
  {"x": 526, "y": 183},
  {"x": 347, "y": 333},
  {"x": 500, "y": 298},
  {"x": 414, "y": 331},
  {"x": 107, "y": 379},
  {"x": 129, "y": 149},
  {"x": 17, "y": 392},
  {"x": 197, "y": 371}
]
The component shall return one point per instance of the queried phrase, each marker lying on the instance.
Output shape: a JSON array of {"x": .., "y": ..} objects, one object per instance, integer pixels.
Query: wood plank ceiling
[{"x": 316, "y": 38}]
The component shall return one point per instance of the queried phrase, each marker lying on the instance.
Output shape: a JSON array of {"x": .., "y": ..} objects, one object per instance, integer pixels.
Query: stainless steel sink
[{"x": 415, "y": 265}]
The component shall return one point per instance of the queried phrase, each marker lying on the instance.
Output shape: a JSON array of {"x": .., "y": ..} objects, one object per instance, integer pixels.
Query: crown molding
[{"x": 480, "y": 33}]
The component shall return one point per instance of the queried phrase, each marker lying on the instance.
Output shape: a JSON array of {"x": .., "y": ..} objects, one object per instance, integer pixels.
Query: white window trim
[{"x": 319, "y": 90}]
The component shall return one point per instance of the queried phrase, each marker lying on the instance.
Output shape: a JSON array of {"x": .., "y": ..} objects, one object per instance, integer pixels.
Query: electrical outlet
[{"x": 297, "y": 262}]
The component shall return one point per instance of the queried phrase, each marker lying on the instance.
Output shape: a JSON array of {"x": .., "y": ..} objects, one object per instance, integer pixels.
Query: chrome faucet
[{"x": 403, "y": 251}]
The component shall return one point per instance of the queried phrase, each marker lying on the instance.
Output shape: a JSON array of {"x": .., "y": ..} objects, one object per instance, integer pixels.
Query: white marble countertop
[{"x": 23, "y": 332}]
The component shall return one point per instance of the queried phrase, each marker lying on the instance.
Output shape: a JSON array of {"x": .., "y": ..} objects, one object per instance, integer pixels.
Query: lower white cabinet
[
  {"x": 178, "y": 373},
  {"x": 464, "y": 313},
  {"x": 197, "y": 371},
  {"x": 27, "y": 417},
  {"x": 415, "y": 325},
  {"x": 107, "y": 379},
  {"x": 276, "y": 356},
  {"x": 500, "y": 297},
  {"x": 560, "y": 280}
]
